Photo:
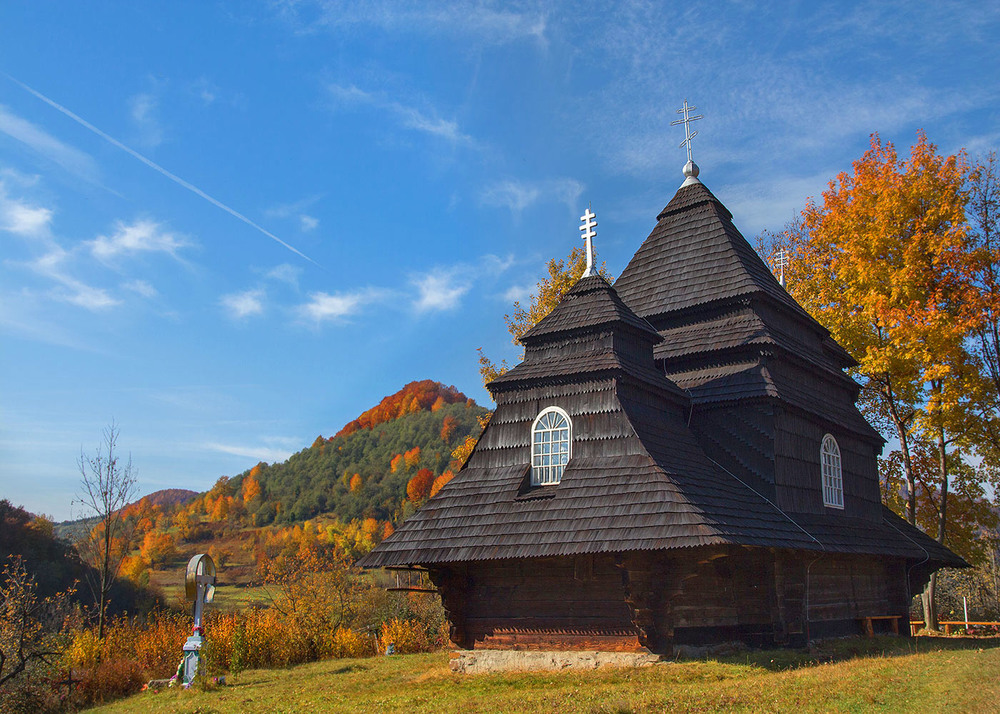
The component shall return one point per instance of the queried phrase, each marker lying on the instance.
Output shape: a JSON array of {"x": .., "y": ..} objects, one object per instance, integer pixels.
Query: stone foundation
[{"x": 486, "y": 661}]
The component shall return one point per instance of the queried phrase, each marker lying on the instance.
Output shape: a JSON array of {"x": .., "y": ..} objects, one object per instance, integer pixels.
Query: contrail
[{"x": 156, "y": 167}]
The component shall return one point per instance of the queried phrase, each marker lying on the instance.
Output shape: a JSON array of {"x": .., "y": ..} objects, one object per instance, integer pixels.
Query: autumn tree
[
  {"x": 107, "y": 485},
  {"x": 984, "y": 212},
  {"x": 872, "y": 264},
  {"x": 28, "y": 628},
  {"x": 419, "y": 487}
]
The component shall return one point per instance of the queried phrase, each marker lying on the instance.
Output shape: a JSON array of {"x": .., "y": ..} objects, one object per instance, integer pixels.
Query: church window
[
  {"x": 551, "y": 435},
  {"x": 833, "y": 479}
]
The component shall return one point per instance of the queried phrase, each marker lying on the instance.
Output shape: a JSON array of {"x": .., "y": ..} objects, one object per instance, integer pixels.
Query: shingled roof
[
  {"x": 638, "y": 478},
  {"x": 695, "y": 255},
  {"x": 663, "y": 493},
  {"x": 590, "y": 303},
  {"x": 571, "y": 341},
  {"x": 695, "y": 268}
]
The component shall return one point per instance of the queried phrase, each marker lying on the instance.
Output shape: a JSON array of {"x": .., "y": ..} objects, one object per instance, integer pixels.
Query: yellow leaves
[
  {"x": 881, "y": 261},
  {"x": 412, "y": 457}
]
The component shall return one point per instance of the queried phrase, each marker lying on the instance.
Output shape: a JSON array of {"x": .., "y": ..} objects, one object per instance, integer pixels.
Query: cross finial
[
  {"x": 690, "y": 168},
  {"x": 686, "y": 121},
  {"x": 781, "y": 261},
  {"x": 589, "y": 224}
]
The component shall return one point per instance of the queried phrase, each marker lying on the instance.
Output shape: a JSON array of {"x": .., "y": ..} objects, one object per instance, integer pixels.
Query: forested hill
[{"x": 365, "y": 469}]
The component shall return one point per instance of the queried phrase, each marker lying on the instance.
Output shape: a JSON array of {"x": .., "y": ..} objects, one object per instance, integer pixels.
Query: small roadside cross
[
  {"x": 199, "y": 585},
  {"x": 589, "y": 224},
  {"x": 686, "y": 121}
]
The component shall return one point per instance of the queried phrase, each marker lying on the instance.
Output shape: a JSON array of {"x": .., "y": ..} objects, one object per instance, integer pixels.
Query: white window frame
[
  {"x": 550, "y": 448},
  {"x": 833, "y": 474}
]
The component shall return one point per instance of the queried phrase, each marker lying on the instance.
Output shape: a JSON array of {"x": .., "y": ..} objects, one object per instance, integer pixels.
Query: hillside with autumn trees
[{"x": 365, "y": 469}]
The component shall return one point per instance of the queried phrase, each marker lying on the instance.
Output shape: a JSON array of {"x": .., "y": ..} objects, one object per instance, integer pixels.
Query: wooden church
[{"x": 678, "y": 460}]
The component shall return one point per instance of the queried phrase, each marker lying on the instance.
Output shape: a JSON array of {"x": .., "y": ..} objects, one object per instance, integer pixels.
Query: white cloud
[
  {"x": 206, "y": 90},
  {"x": 257, "y": 453},
  {"x": 285, "y": 273},
  {"x": 324, "y": 307},
  {"x": 20, "y": 217},
  {"x": 518, "y": 195},
  {"x": 73, "y": 160},
  {"x": 245, "y": 304},
  {"x": 141, "y": 236},
  {"x": 519, "y": 293},
  {"x": 143, "y": 110},
  {"x": 475, "y": 20},
  {"x": 422, "y": 120},
  {"x": 440, "y": 289},
  {"x": 296, "y": 210},
  {"x": 141, "y": 287}
]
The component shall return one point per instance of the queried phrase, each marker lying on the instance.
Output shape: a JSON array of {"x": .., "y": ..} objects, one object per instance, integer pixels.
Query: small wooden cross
[
  {"x": 686, "y": 121},
  {"x": 589, "y": 224}
]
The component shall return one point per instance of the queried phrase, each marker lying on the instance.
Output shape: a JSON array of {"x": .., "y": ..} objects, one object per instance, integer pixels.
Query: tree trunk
[
  {"x": 930, "y": 611},
  {"x": 911, "y": 481},
  {"x": 927, "y": 600}
]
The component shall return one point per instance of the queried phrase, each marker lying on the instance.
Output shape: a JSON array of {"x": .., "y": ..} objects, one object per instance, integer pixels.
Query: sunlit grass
[{"x": 886, "y": 674}]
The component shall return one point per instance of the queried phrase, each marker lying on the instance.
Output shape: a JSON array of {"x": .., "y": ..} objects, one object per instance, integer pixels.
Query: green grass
[{"x": 926, "y": 675}]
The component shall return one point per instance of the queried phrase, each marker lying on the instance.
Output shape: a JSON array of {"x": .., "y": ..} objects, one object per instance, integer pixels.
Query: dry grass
[{"x": 847, "y": 676}]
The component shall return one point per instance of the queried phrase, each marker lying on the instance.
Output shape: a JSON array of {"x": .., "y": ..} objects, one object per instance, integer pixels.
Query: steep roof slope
[
  {"x": 695, "y": 274},
  {"x": 637, "y": 480}
]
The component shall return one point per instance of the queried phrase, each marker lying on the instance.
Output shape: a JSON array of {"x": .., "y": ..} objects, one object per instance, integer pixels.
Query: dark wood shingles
[{"x": 638, "y": 478}]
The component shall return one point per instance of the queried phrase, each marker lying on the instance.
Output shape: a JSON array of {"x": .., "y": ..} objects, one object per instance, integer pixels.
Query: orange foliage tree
[
  {"x": 448, "y": 427},
  {"x": 419, "y": 487},
  {"x": 884, "y": 263},
  {"x": 412, "y": 457},
  {"x": 414, "y": 397},
  {"x": 440, "y": 481}
]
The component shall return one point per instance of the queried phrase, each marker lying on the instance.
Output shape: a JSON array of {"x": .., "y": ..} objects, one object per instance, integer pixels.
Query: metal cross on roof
[
  {"x": 782, "y": 261},
  {"x": 686, "y": 121},
  {"x": 589, "y": 224}
]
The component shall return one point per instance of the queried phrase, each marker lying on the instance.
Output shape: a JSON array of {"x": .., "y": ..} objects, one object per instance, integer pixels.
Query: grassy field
[{"x": 922, "y": 675}]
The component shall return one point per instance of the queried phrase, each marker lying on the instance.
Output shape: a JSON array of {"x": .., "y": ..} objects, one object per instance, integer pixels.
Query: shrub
[
  {"x": 111, "y": 679},
  {"x": 349, "y": 643},
  {"x": 406, "y": 635}
]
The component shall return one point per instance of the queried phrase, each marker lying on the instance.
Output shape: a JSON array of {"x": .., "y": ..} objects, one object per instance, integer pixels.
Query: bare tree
[{"x": 107, "y": 485}]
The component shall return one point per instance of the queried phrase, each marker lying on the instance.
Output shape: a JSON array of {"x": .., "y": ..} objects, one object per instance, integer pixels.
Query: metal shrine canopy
[
  {"x": 199, "y": 583},
  {"x": 690, "y": 168}
]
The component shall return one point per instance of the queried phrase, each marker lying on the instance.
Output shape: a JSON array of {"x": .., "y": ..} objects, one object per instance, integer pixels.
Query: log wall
[{"x": 653, "y": 600}]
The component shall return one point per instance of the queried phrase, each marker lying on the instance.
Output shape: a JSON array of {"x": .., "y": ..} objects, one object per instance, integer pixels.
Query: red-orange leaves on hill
[
  {"x": 440, "y": 481},
  {"x": 412, "y": 457},
  {"x": 419, "y": 488},
  {"x": 415, "y": 396},
  {"x": 448, "y": 427}
]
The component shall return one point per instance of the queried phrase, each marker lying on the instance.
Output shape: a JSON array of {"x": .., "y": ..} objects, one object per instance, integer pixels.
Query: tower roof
[
  {"x": 694, "y": 256},
  {"x": 587, "y": 313},
  {"x": 590, "y": 303}
]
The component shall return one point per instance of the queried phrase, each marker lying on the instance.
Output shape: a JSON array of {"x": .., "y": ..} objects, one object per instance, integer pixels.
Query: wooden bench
[
  {"x": 917, "y": 625},
  {"x": 866, "y": 622}
]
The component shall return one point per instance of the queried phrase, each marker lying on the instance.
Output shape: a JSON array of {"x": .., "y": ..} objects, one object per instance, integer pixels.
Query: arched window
[
  {"x": 833, "y": 480},
  {"x": 551, "y": 436}
]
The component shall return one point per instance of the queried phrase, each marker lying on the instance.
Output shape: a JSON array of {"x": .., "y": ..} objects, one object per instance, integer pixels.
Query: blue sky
[{"x": 231, "y": 227}]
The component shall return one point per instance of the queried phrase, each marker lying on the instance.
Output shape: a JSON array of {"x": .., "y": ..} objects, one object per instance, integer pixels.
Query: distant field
[{"x": 922, "y": 675}]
